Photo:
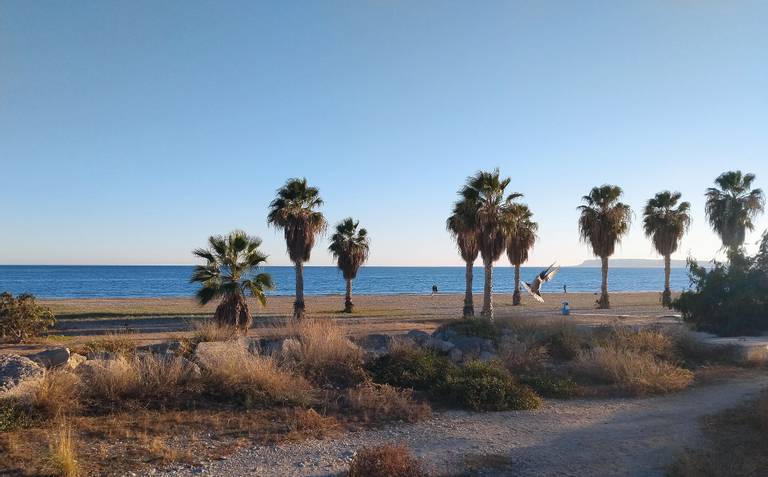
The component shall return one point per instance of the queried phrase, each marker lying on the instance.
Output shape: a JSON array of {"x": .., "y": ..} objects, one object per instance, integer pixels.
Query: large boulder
[
  {"x": 420, "y": 337},
  {"x": 15, "y": 369},
  {"x": 75, "y": 360},
  {"x": 51, "y": 358},
  {"x": 472, "y": 346},
  {"x": 439, "y": 345},
  {"x": 376, "y": 343}
]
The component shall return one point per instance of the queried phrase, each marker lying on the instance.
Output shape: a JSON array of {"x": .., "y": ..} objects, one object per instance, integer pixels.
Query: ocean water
[{"x": 171, "y": 281}]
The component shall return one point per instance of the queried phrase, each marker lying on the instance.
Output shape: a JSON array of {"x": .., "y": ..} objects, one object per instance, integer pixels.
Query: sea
[{"x": 96, "y": 281}]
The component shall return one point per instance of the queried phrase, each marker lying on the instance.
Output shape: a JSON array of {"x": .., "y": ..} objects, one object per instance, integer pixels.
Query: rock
[
  {"x": 487, "y": 356},
  {"x": 444, "y": 334},
  {"x": 192, "y": 370},
  {"x": 376, "y": 343},
  {"x": 161, "y": 348},
  {"x": 455, "y": 355},
  {"x": 418, "y": 336},
  {"x": 15, "y": 369},
  {"x": 75, "y": 360},
  {"x": 472, "y": 346},
  {"x": 51, "y": 358},
  {"x": 102, "y": 355},
  {"x": 439, "y": 345}
]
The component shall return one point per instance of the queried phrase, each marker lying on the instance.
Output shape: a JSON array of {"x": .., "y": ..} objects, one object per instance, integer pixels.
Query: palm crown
[
  {"x": 604, "y": 220},
  {"x": 229, "y": 273},
  {"x": 731, "y": 207},
  {"x": 522, "y": 234},
  {"x": 294, "y": 211},
  {"x": 350, "y": 246},
  {"x": 665, "y": 222},
  {"x": 461, "y": 224}
]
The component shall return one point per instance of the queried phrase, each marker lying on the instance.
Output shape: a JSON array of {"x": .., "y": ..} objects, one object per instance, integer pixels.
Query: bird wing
[
  {"x": 533, "y": 293},
  {"x": 550, "y": 273}
]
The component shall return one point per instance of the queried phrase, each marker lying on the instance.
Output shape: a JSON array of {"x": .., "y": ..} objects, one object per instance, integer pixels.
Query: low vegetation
[
  {"x": 388, "y": 460},
  {"x": 730, "y": 299},
  {"x": 734, "y": 444},
  {"x": 21, "y": 318}
]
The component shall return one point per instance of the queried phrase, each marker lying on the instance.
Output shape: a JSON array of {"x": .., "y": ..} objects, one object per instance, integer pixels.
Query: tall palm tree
[
  {"x": 732, "y": 206},
  {"x": 485, "y": 192},
  {"x": 462, "y": 226},
  {"x": 229, "y": 272},
  {"x": 665, "y": 222},
  {"x": 521, "y": 238},
  {"x": 294, "y": 210},
  {"x": 350, "y": 246},
  {"x": 603, "y": 221}
]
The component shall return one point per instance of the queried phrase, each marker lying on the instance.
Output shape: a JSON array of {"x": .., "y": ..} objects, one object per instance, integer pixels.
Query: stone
[
  {"x": 15, "y": 369},
  {"x": 455, "y": 355},
  {"x": 75, "y": 360},
  {"x": 161, "y": 348},
  {"x": 439, "y": 345},
  {"x": 487, "y": 356},
  {"x": 473, "y": 346},
  {"x": 444, "y": 334},
  {"x": 51, "y": 358},
  {"x": 418, "y": 336},
  {"x": 376, "y": 343}
]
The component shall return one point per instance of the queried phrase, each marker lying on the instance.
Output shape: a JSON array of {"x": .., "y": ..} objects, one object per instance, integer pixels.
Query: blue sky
[{"x": 132, "y": 130}]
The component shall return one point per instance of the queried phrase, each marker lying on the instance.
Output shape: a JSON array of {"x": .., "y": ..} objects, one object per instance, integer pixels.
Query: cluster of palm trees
[
  {"x": 487, "y": 220},
  {"x": 232, "y": 261}
]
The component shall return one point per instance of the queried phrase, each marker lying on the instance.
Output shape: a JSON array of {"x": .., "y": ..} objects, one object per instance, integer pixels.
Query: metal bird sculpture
[{"x": 535, "y": 288}]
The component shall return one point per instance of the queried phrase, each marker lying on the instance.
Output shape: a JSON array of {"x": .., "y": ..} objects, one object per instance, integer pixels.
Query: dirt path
[{"x": 627, "y": 437}]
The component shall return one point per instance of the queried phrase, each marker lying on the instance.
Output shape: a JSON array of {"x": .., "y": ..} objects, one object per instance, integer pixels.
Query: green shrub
[
  {"x": 730, "y": 299},
  {"x": 22, "y": 318},
  {"x": 419, "y": 369},
  {"x": 551, "y": 386},
  {"x": 13, "y": 415},
  {"x": 483, "y": 386},
  {"x": 476, "y": 327}
]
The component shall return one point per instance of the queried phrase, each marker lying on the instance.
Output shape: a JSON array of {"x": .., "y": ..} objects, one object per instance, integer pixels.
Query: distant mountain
[{"x": 633, "y": 263}]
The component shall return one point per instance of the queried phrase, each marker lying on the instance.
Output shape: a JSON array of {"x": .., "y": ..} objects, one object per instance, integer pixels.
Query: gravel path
[{"x": 606, "y": 437}]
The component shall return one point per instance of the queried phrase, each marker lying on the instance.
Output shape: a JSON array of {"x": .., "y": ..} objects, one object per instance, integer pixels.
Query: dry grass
[
  {"x": 651, "y": 341},
  {"x": 734, "y": 444},
  {"x": 632, "y": 371},
  {"x": 110, "y": 379},
  {"x": 257, "y": 380},
  {"x": 324, "y": 353},
  {"x": 62, "y": 460},
  {"x": 388, "y": 460},
  {"x": 56, "y": 394},
  {"x": 123, "y": 344},
  {"x": 522, "y": 356},
  {"x": 380, "y": 402},
  {"x": 209, "y": 330},
  {"x": 563, "y": 339}
]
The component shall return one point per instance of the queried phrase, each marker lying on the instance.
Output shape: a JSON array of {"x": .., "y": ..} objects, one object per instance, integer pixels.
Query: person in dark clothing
[{"x": 434, "y": 289}]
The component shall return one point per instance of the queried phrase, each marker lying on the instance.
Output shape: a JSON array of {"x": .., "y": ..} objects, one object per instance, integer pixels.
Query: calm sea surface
[{"x": 156, "y": 281}]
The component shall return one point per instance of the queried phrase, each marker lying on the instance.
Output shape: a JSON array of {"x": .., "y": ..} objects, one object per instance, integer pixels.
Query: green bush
[
  {"x": 730, "y": 299},
  {"x": 419, "y": 369},
  {"x": 22, "y": 318},
  {"x": 13, "y": 415},
  {"x": 483, "y": 386},
  {"x": 476, "y": 327},
  {"x": 551, "y": 386}
]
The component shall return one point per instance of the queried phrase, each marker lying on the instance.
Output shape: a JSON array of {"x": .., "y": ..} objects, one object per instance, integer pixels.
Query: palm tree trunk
[
  {"x": 298, "y": 305},
  {"x": 469, "y": 307},
  {"x": 603, "y": 302},
  {"x": 666, "y": 297},
  {"x": 488, "y": 290},
  {"x": 348, "y": 297},
  {"x": 516, "y": 294}
]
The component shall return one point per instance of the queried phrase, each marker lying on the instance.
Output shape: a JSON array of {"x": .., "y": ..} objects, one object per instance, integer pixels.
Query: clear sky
[{"x": 132, "y": 130}]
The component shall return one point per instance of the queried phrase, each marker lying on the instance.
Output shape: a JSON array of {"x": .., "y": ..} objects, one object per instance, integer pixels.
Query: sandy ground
[
  {"x": 156, "y": 318},
  {"x": 605, "y": 437}
]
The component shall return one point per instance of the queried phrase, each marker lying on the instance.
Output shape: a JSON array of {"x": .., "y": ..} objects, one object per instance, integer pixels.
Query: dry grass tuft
[
  {"x": 632, "y": 371},
  {"x": 388, "y": 460},
  {"x": 324, "y": 353},
  {"x": 57, "y": 393},
  {"x": 62, "y": 460},
  {"x": 651, "y": 341},
  {"x": 123, "y": 344},
  {"x": 209, "y": 330},
  {"x": 110, "y": 379},
  {"x": 379, "y": 402},
  {"x": 257, "y": 380}
]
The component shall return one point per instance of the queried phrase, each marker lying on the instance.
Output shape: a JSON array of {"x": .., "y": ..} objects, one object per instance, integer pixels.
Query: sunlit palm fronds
[{"x": 732, "y": 206}]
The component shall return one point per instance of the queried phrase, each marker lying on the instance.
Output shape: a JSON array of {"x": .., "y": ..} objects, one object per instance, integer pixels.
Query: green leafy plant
[
  {"x": 419, "y": 369},
  {"x": 22, "y": 318},
  {"x": 484, "y": 386}
]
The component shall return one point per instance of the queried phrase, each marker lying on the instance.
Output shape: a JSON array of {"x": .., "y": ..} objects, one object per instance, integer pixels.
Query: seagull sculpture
[{"x": 535, "y": 288}]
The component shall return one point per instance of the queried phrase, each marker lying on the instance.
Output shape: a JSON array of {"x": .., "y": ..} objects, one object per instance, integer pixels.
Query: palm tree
[
  {"x": 230, "y": 272},
  {"x": 485, "y": 193},
  {"x": 521, "y": 238},
  {"x": 603, "y": 221},
  {"x": 461, "y": 225},
  {"x": 294, "y": 210},
  {"x": 731, "y": 208},
  {"x": 665, "y": 222},
  {"x": 350, "y": 248}
]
